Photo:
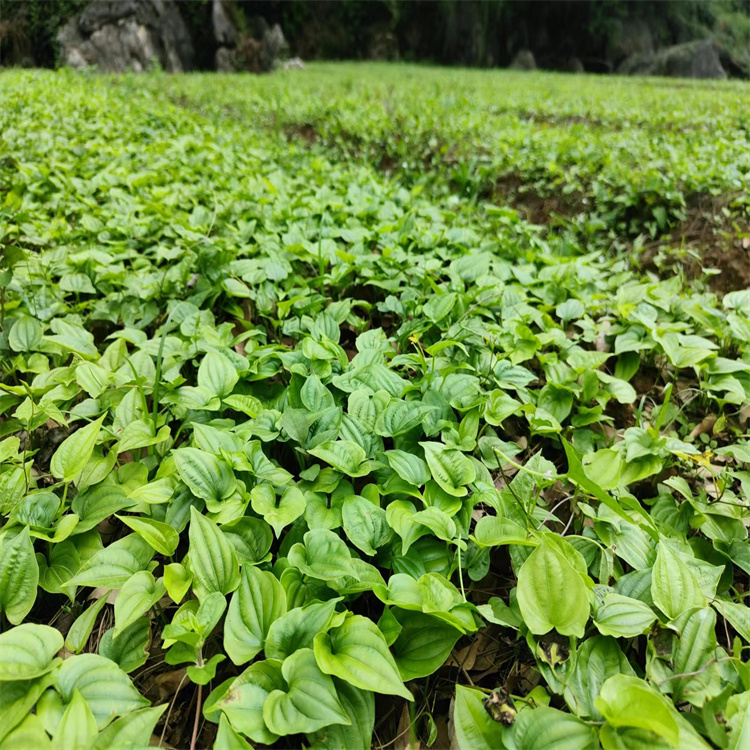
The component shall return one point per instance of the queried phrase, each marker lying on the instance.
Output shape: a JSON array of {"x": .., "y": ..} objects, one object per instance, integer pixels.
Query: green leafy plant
[{"x": 322, "y": 442}]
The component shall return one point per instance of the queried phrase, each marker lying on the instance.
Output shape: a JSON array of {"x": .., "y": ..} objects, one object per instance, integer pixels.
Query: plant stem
[
  {"x": 160, "y": 612},
  {"x": 460, "y": 572},
  {"x": 523, "y": 468},
  {"x": 197, "y": 717}
]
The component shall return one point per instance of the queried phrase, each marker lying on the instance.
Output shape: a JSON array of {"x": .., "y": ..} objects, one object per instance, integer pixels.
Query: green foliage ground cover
[{"x": 309, "y": 438}]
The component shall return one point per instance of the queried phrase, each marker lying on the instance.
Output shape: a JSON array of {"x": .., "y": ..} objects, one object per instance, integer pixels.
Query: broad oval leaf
[
  {"x": 25, "y": 335},
  {"x": 450, "y": 468},
  {"x": 475, "y": 729},
  {"x": 212, "y": 558},
  {"x": 598, "y": 659},
  {"x": 256, "y": 604},
  {"x": 310, "y": 701},
  {"x": 551, "y": 593},
  {"x": 623, "y": 617},
  {"x": 217, "y": 374},
  {"x": 279, "y": 514},
  {"x": 137, "y": 595},
  {"x": 19, "y": 576},
  {"x": 400, "y": 417},
  {"x": 494, "y": 531},
  {"x": 365, "y": 524},
  {"x": 244, "y": 700},
  {"x": 28, "y": 651},
  {"x": 112, "y": 566},
  {"x": 251, "y": 539},
  {"x": 345, "y": 455},
  {"x": 207, "y": 476},
  {"x": 410, "y": 468},
  {"x": 674, "y": 587},
  {"x": 70, "y": 459},
  {"x": 177, "y": 580},
  {"x": 98, "y": 503},
  {"x": 423, "y": 645},
  {"x": 315, "y": 396},
  {"x": 298, "y": 628},
  {"x": 324, "y": 555},
  {"x": 107, "y": 690},
  {"x": 37, "y": 509},
  {"x": 360, "y": 708},
  {"x": 128, "y": 649},
  {"x": 627, "y": 701},
  {"x": 161, "y": 536},
  {"x": 356, "y": 652},
  {"x": 545, "y": 727}
]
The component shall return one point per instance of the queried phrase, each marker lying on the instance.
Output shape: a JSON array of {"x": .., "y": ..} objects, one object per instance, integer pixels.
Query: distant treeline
[
  {"x": 488, "y": 33},
  {"x": 483, "y": 33}
]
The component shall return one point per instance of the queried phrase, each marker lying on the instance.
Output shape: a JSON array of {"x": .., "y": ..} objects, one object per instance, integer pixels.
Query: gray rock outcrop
[
  {"x": 224, "y": 32},
  {"x": 256, "y": 53},
  {"x": 574, "y": 65},
  {"x": 631, "y": 38},
  {"x": 697, "y": 59},
  {"x": 120, "y": 35},
  {"x": 524, "y": 60}
]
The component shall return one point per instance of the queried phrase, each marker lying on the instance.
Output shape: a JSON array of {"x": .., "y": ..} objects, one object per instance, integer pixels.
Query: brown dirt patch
[
  {"x": 514, "y": 191},
  {"x": 549, "y": 118},
  {"x": 712, "y": 236},
  {"x": 734, "y": 263},
  {"x": 306, "y": 131}
]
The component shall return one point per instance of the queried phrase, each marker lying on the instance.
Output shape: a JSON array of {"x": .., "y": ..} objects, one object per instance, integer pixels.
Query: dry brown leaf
[
  {"x": 168, "y": 682},
  {"x": 480, "y": 654},
  {"x": 442, "y": 741},
  {"x": 155, "y": 741},
  {"x": 705, "y": 426},
  {"x": 107, "y": 527},
  {"x": 465, "y": 657},
  {"x": 609, "y": 431},
  {"x": 477, "y": 513},
  {"x": 601, "y": 340},
  {"x": 452, "y": 740},
  {"x": 99, "y": 592},
  {"x": 403, "y": 732}
]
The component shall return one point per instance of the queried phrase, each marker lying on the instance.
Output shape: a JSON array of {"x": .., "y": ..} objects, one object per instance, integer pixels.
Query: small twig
[
  {"x": 567, "y": 525},
  {"x": 552, "y": 512},
  {"x": 513, "y": 492},
  {"x": 171, "y": 706},
  {"x": 387, "y": 715},
  {"x": 466, "y": 674},
  {"x": 520, "y": 467},
  {"x": 399, "y": 736},
  {"x": 726, "y": 632},
  {"x": 687, "y": 675}
]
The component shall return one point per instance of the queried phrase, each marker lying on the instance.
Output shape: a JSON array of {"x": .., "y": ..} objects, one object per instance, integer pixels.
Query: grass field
[{"x": 374, "y": 406}]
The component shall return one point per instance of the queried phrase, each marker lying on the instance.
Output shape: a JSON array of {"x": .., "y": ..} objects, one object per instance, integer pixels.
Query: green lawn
[{"x": 368, "y": 394}]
